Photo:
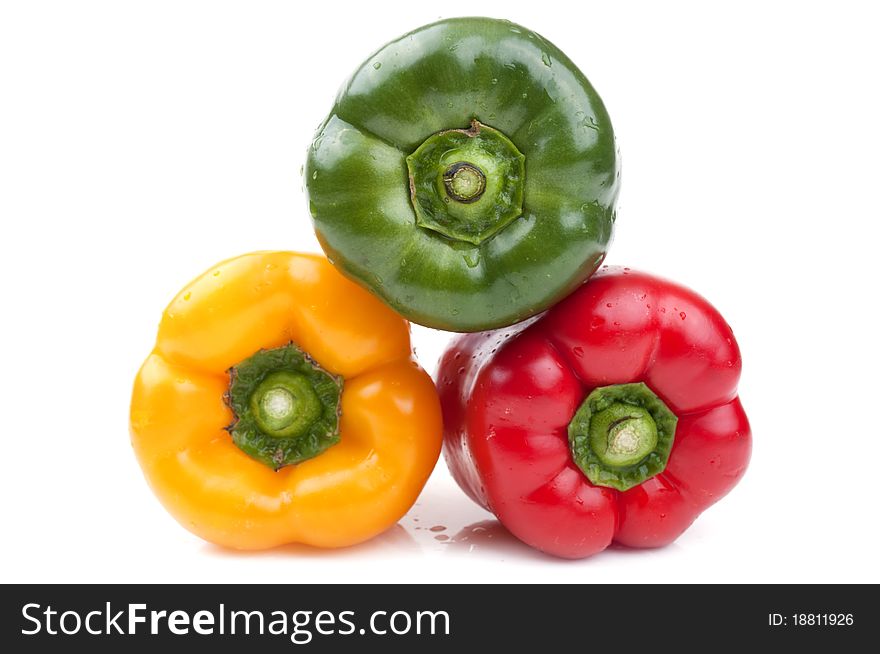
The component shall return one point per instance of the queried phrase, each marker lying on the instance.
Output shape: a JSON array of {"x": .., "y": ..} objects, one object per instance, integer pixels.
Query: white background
[{"x": 142, "y": 142}]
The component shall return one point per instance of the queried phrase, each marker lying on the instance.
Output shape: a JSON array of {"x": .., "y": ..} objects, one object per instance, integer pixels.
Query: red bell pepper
[{"x": 614, "y": 417}]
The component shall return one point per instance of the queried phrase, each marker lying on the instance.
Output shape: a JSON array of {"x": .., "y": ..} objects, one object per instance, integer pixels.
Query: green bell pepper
[{"x": 467, "y": 174}]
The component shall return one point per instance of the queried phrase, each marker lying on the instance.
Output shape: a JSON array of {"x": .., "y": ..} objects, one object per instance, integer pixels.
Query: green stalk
[
  {"x": 622, "y": 435},
  {"x": 286, "y": 407}
]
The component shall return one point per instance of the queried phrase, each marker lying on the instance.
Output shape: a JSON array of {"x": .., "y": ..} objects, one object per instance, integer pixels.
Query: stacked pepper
[
  {"x": 281, "y": 404},
  {"x": 465, "y": 179}
]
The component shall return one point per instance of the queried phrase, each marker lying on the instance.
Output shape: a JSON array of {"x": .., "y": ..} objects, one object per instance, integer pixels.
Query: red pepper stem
[{"x": 621, "y": 435}]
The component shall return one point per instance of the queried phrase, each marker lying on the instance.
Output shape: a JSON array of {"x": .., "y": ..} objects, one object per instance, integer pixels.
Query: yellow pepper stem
[{"x": 286, "y": 406}]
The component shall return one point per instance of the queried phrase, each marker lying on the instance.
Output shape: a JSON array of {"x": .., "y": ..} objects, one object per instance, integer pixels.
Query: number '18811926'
[{"x": 810, "y": 619}]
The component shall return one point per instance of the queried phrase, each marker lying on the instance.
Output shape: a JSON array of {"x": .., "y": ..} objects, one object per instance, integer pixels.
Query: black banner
[{"x": 319, "y": 618}]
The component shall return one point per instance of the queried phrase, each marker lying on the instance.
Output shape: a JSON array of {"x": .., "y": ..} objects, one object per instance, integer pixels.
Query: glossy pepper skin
[
  {"x": 380, "y": 171},
  {"x": 389, "y": 429},
  {"x": 510, "y": 398}
]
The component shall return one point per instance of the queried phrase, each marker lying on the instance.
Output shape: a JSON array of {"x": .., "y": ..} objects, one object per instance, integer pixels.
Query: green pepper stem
[
  {"x": 467, "y": 184},
  {"x": 621, "y": 435},
  {"x": 286, "y": 407},
  {"x": 464, "y": 182}
]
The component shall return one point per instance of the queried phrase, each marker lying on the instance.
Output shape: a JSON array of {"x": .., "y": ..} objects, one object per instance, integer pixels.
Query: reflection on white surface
[
  {"x": 395, "y": 539},
  {"x": 443, "y": 523}
]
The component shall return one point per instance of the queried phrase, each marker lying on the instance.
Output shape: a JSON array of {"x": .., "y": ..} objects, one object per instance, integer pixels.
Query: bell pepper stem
[
  {"x": 286, "y": 407},
  {"x": 464, "y": 182},
  {"x": 467, "y": 184},
  {"x": 284, "y": 404},
  {"x": 621, "y": 435}
]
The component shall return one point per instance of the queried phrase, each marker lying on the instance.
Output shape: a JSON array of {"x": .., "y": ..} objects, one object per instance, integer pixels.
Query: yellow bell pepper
[{"x": 282, "y": 404}]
